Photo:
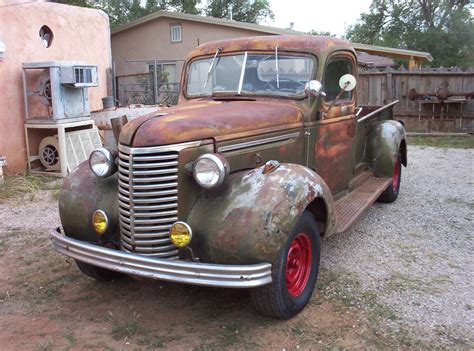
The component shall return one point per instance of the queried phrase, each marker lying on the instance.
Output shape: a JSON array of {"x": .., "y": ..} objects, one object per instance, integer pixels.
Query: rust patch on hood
[{"x": 202, "y": 119}]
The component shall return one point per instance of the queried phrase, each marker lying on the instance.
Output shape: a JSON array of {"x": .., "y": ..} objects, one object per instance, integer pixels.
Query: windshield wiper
[
  {"x": 211, "y": 67},
  {"x": 276, "y": 66}
]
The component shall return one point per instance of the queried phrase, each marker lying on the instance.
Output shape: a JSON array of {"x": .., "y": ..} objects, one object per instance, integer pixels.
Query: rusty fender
[
  {"x": 248, "y": 219},
  {"x": 386, "y": 139},
  {"x": 83, "y": 193}
]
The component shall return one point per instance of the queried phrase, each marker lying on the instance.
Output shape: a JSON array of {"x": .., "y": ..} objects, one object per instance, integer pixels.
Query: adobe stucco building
[{"x": 79, "y": 34}]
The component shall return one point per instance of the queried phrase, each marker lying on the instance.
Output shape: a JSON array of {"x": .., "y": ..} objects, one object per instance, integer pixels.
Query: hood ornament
[{"x": 270, "y": 166}]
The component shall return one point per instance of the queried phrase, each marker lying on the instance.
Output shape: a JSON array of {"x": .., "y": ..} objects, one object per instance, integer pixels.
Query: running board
[{"x": 351, "y": 207}]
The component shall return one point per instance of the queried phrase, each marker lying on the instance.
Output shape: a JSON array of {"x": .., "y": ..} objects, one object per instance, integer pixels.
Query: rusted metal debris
[{"x": 442, "y": 94}]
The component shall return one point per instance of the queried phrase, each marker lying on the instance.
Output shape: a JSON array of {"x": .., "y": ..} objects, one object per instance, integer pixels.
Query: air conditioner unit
[
  {"x": 79, "y": 77},
  {"x": 57, "y": 91}
]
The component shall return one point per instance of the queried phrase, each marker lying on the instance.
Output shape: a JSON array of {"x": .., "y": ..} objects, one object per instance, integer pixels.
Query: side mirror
[
  {"x": 314, "y": 88},
  {"x": 347, "y": 82}
]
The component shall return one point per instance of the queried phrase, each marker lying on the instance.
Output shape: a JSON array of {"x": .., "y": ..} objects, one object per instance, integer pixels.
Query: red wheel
[
  {"x": 298, "y": 264},
  {"x": 396, "y": 176},
  {"x": 391, "y": 193},
  {"x": 294, "y": 273}
]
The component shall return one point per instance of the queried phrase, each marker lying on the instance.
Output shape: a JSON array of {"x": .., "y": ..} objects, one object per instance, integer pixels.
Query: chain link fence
[
  {"x": 142, "y": 89},
  {"x": 149, "y": 82}
]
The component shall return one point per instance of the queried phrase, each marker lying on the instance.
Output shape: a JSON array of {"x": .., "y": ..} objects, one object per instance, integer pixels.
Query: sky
[{"x": 321, "y": 15}]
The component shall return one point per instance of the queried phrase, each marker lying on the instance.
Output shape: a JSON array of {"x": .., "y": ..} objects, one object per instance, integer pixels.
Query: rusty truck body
[{"x": 265, "y": 154}]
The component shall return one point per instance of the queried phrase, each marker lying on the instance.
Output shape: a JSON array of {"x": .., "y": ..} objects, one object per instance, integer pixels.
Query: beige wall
[
  {"x": 151, "y": 40},
  {"x": 80, "y": 34}
]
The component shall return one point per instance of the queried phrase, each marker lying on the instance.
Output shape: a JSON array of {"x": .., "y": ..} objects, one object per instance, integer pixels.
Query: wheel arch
[
  {"x": 82, "y": 193},
  {"x": 249, "y": 218},
  {"x": 319, "y": 209},
  {"x": 386, "y": 140}
]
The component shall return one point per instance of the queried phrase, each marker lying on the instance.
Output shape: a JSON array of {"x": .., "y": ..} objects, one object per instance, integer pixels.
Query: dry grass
[
  {"x": 18, "y": 185},
  {"x": 458, "y": 142}
]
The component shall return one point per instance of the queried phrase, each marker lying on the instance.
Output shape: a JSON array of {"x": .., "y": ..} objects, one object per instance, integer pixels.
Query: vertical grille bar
[{"x": 130, "y": 187}]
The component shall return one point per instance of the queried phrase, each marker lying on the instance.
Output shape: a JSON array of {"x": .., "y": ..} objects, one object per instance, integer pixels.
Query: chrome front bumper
[{"x": 217, "y": 275}]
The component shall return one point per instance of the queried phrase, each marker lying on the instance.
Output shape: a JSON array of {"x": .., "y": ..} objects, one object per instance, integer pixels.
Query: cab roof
[{"x": 316, "y": 45}]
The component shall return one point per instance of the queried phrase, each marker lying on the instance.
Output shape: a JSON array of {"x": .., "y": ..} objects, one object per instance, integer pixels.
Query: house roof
[
  {"x": 392, "y": 52},
  {"x": 202, "y": 19},
  {"x": 374, "y": 60},
  {"x": 370, "y": 49}
]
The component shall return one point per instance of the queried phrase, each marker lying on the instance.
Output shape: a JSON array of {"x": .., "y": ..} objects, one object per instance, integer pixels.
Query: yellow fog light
[
  {"x": 100, "y": 222},
  {"x": 180, "y": 234}
]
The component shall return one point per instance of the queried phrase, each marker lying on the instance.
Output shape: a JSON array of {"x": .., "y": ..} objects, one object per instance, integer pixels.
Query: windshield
[{"x": 248, "y": 74}]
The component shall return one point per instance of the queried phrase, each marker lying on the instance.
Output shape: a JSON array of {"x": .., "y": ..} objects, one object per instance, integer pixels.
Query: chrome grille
[{"x": 148, "y": 199}]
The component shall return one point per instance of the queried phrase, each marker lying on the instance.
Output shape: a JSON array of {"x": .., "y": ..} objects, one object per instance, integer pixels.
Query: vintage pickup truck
[{"x": 265, "y": 154}]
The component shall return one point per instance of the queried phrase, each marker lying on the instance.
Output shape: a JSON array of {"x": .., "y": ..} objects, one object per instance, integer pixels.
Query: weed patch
[
  {"x": 15, "y": 186},
  {"x": 125, "y": 329},
  {"x": 45, "y": 345}
]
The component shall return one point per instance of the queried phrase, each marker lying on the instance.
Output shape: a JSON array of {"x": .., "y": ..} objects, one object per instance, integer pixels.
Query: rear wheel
[
  {"x": 391, "y": 193},
  {"x": 98, "y": 273},
  {"x": 294, "y": 273}
]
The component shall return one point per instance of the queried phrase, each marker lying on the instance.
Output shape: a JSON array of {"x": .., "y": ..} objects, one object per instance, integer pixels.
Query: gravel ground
[
  {"x": 407, "y": 267},
  {"x": 415, "y": 257}
]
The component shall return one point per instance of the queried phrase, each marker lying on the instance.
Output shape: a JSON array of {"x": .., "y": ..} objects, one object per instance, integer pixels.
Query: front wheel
[
  {"x": 98, "y": 273},
  {"x": 391, "y": 193},
  {"x": 294, "y": 273}
]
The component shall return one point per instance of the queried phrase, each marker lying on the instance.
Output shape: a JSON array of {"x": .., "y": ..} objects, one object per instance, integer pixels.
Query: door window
[{"x": 334, "y": 71}]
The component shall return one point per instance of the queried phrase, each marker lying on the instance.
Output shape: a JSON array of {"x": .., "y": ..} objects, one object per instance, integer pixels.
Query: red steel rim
[
  {"x": 298, "y": 264},
  {"x": 396, "y": 176}
]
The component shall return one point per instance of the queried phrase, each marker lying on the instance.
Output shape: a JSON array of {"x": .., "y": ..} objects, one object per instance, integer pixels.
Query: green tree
[
  {"x": 444, "y": 28},
  {"x": 123, "y": 11},
  {"x": 186, "y": 6},
  {"x": 240, "y": 10},
  {"x": 323, "y": 33},
  {"x": 81, "y": 3}
]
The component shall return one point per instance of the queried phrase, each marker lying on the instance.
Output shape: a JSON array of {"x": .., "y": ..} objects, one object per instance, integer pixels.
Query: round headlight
[
  {"x": 210, "y": 170},
  {"x": 102, "y": 163}
]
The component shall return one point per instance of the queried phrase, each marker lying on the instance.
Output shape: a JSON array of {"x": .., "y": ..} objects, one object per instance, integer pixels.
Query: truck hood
[{"x": 203, "y": 119}]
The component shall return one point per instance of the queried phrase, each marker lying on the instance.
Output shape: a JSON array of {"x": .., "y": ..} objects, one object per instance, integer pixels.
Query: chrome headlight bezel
[
  {"x": 221, "y": 168},
  {"x": 107, "y": 166}
]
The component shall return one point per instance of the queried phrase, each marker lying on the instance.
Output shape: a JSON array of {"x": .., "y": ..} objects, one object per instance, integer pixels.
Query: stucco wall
[
  {"x": 80, "y": 34},
  {"x": 151, "y": 40}
]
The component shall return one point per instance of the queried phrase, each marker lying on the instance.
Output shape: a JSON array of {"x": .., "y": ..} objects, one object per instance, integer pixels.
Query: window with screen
[
  {"x": 334, "y": 71},
  {"x": 176, "y": 34}
]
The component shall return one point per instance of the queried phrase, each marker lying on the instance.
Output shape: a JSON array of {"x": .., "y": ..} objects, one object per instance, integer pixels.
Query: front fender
[
  {"x": 83, "y": 193},
  {"x": 249, "y": 218},
  {"x": 385, "y": 141}
]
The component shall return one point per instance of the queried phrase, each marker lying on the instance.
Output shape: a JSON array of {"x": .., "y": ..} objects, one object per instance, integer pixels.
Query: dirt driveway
[{"x": 402, "y": 277}]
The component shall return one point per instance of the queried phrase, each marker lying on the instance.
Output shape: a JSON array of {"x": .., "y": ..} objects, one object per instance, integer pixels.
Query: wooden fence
[{"x": 426, "y": 113}]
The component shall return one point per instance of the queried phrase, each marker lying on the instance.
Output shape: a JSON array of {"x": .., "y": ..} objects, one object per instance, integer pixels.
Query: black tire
[
  {"x": 391, "y": 193},
  {"x": 98, "y": 273},
  {"x": 276, "y": 299}
]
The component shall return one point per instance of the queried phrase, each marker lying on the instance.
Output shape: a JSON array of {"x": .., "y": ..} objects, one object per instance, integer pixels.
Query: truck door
[{"x": 336, "y": 125}]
